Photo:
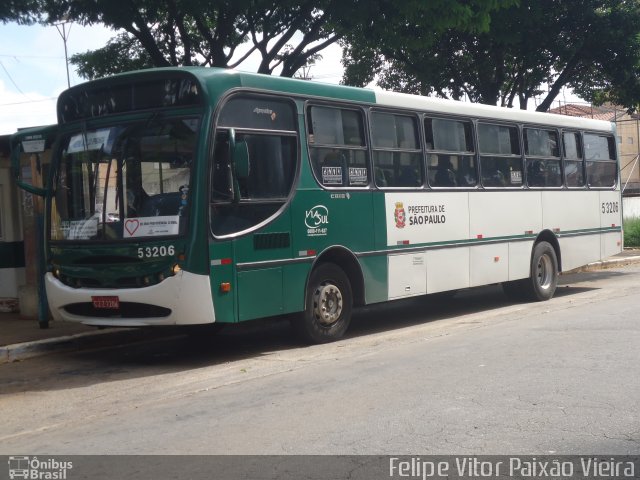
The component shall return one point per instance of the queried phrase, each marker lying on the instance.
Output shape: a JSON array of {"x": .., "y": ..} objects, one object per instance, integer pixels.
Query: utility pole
[{"x": 64, "y": 33}]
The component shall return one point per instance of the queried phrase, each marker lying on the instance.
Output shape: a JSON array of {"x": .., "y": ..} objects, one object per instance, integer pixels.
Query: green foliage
[
  {"x": 122, "y": 53},
  {"x": 286, "y": 34},
  {"x": 632, "y": 232},
  {"x": 21, "y": 11},
  {"x": 591, "y": 45}
]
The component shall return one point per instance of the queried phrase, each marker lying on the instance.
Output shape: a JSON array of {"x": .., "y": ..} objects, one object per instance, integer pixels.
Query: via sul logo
[
  {"x": 316, "y": 220},
  {"x": 399, "y": 215}
]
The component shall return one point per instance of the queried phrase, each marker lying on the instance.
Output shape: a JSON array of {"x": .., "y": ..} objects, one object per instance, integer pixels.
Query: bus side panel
[
  {"x": 504, "y": 214},
  {"x": 578, "y": 251},
  {"x": 375, "y": 271},
  {"x": 610, "y": 219},
  {"x": 260, "y": 286},
  {"x": 407, "y": 275},
  {"x": 520, "y": 259},
  {"x": 497, "y": 216},
  {"x": 260, "y": 293},
  {"x": 489, "y": 264},
  {"x": 294, "y": 281},
  {"x": 222, "y": 271},
  {"x": 447, "y": 269},
  {"x": 571, "y": 211},
  {"x": 426, "y": 218},
  {"x": 610, "y": 244}
]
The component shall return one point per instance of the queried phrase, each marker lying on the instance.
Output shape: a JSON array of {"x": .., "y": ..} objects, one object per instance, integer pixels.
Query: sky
[{"x": 33, "y": 71}]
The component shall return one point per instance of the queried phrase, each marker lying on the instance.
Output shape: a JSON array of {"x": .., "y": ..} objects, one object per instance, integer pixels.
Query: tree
[
  {"x": 285, "y": 33},
  {"x": 21, "y": 11},
  {"x": 588, "y": 44}
]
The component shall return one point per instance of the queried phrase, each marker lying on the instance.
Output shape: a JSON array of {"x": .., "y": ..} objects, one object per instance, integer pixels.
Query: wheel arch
[
  {"x": 549, "y": 237},
  {"x": 348, "y": 262}
]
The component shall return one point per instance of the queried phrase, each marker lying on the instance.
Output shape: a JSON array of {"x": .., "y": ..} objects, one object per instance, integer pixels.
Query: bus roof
[{"x": 218, "y": 80}]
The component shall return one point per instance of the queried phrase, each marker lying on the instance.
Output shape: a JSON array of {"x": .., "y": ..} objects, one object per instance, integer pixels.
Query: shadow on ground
[{"x": 179, "y": 351}]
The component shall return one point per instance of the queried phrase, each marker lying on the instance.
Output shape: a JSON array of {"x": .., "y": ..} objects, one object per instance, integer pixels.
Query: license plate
[{"x": 112, "y": 303}]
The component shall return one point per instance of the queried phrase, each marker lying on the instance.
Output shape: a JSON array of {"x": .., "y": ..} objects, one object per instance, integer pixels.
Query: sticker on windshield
[
  {"x": 89, "y": 141},
  {"x": 151, "y": 226},
  {"x": 79, "y": 229}
]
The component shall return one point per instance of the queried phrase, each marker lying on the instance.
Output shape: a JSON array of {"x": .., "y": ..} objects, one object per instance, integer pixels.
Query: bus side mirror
[
  {"x": 31, "y": 157},
  {"x": 23, "y": 175}
]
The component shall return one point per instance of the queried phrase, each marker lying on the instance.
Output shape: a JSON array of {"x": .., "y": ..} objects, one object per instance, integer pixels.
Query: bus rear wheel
[
  {"x": 329, "y": 302},
  {"x": 542, "y": 283}
]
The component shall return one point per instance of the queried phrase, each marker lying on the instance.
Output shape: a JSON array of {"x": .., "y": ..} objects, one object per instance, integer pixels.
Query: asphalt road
[{"x": 472, "y": 375}]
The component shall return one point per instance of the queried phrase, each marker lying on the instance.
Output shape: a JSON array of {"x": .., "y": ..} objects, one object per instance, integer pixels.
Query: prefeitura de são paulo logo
[{"x": 400, "y": 215}]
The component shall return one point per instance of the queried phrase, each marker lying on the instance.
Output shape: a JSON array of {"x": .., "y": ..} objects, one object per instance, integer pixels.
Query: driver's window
[{"x": 242, "y": 196}]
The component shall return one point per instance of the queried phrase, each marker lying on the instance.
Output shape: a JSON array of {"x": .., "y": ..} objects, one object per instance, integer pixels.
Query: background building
[
  {"x": 628, "y": 132},
  {"x": 12, "y": 259}
]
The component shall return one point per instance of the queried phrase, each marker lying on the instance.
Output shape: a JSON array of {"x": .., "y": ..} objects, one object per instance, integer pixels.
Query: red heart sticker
[{"x": 131, "y": 226}]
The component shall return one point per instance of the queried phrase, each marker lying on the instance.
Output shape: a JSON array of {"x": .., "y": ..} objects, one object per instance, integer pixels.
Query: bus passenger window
[
  {"x": 397, "y": 157},
  {"x": 457, "y": 167},
  {"x": 542, "y": 158},
  {"x": 337, "y": 147},
  {"x": 500, "y": 159},
  {"x": 600, "y": 156},
  {"x": 573, "y": 161}
]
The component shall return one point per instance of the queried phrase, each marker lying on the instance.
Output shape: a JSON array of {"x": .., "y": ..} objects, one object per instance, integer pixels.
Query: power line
[
  {"x": 57, "y": 57},
  {"x": 28, "y": 101},
  {"x": 10, "y": 78}
]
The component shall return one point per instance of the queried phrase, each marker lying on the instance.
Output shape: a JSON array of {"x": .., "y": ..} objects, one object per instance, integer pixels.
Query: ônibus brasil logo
[
  {"x": 316, "y": 220},
  {"x": 399, "y": 215},
  {"x": 38, "y": 469}
]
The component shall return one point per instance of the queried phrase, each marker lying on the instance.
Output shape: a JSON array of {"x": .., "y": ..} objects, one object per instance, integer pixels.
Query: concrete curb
[
  {"x": 602, "y": 264},
  {"x": 80, "y": 341}
]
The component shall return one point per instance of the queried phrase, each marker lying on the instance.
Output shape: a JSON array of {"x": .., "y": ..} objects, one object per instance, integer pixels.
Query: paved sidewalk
[{"x": 23, "y": 338}]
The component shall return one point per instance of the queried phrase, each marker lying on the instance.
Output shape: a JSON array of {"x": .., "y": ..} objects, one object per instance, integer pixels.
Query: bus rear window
[{"x": 600, "y": 155}]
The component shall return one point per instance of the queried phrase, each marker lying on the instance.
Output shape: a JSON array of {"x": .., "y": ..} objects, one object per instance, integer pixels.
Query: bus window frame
[
  {"x": 474, "y": 153},
  {"x": 615, "y": 161},
  {"x": 559, "y": 158},
  {"x": 518, "y": 127},
  {"x": 366, "y": 148},
  {"x": 584, "y": 185},
  {"x": 417, "y": 116},
  {"x": 212, "y": 133}
]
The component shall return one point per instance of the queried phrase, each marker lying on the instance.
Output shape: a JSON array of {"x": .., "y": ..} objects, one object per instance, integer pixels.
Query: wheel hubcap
[
  {"x": 544, "y": 272},
  {"x": 327, "y": 302}
]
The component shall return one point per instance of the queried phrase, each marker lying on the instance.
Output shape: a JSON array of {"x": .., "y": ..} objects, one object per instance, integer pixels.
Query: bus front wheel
[{"x": 328, "y": 305}]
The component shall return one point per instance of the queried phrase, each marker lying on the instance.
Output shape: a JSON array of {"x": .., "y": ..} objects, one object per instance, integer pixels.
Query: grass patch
[{"x": 632, "y": 232}]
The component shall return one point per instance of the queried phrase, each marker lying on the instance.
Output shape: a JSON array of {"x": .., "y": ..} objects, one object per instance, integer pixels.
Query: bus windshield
[{"x": 125, "y": 181}]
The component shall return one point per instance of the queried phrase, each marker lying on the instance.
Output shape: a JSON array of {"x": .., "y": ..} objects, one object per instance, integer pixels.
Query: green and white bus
[{"x": 197, "y": 195}]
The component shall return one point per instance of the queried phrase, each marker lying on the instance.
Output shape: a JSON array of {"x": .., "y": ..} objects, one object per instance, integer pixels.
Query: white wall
[{"x": 631, "y": 207}]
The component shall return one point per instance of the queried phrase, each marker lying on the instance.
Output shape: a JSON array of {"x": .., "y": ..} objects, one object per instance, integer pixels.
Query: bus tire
[
  {"x": 542, "y": 283},
  {"x": 329, "y": 301}
]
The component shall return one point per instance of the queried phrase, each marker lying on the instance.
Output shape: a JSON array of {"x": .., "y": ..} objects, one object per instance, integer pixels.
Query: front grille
[
  {"x": 126, "y": 310},
  {"x": 123, "y": 282}
]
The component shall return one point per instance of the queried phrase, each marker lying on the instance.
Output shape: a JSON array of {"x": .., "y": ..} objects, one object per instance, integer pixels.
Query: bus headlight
[{"x": 176, "y": 269}]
